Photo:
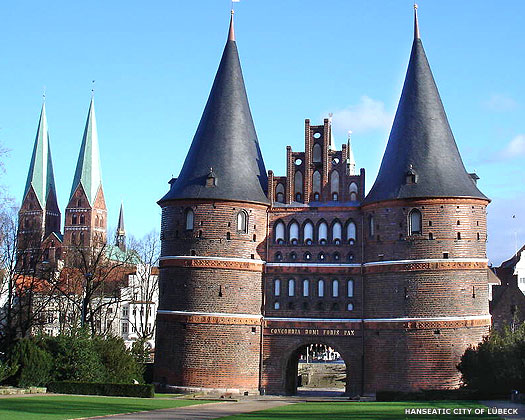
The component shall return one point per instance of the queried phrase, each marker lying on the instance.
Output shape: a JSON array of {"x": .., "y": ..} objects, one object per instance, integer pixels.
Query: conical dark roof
[
  {"x": 421, "y": 142},
  {"x": 224, "y": 161}
]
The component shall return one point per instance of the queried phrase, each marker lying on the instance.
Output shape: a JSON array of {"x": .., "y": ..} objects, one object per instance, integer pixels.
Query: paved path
[
  {"x": 507, "y": 405},
  {"x": 202, "y": 411}
]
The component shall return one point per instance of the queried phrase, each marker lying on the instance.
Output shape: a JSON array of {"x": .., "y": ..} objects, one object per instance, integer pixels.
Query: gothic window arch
[
  {"x": 308, "y": 233},
  {"x": 294, "y": 233},
  {"x": 320, "y": 288},
  {"x": 351, "y": 232},
  {"x": 350, "y": 288},
  {"x": 277, "y": 287},
  {"x": 82, "y": 219},
  {"x": 242, "y": 222},
  {"x": 414, "y": 222},
  {"x": 337, "y": 231},
  {"x": 352, "y": 189},
  {"x": 322, "y": 233},
  {"x": 291, "y": 287},
  {"x": 74, "y": 219},
  {"x": 298, "y": 184},
  {"x": 335, "y": 288},
  {"x": 334, "y": 185},
  {"x": 371, "y": 230},
  {"x": 316, "y": 153},
  {"x": 190, "y": 219},
  {"x": 279, "y": 232},
  {"x": 279, "y": 193},
  {"x": 316, "y": 185},
  {"x": 306, "y": 287}
]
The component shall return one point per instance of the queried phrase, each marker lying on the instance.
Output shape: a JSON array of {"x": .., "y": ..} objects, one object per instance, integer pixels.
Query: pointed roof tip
[
  {"x": 231, "y": 32},
  {"x": 416, "y": 23},
  {"x": 120, "y": 227}
]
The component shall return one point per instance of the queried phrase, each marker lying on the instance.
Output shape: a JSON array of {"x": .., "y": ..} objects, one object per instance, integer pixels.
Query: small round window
[
  {"x": 335, "y": 161},
  {"x": 298, "y": 161},
  {"x": 317, "y": 135}
]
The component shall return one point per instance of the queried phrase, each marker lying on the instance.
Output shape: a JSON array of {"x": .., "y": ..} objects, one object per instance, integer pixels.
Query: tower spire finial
[
  {"x": 92, "y": 89},
  {"x": 416, "y": 23},
  {"x": 231, "y": 33}
]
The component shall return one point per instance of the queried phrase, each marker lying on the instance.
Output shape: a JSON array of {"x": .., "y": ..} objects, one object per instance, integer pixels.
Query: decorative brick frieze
[{"x": 211, "y": 263}]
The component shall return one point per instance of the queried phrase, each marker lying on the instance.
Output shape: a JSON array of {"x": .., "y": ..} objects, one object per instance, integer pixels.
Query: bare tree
[
  {"x": 91, "y": 281},
  {"x": 143, "y": 289}
]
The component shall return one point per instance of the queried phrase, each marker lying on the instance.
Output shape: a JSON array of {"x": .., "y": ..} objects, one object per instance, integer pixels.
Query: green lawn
[
  {"x": 360, "y": 410},
  {"x": 69, "y": 406}
]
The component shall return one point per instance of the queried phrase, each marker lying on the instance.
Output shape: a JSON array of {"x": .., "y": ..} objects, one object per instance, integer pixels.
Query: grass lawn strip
[
  {"x": 72, "y": 407},
  {"x": 362, "y": 411}
]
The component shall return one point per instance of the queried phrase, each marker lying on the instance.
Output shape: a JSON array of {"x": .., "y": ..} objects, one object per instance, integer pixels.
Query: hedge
[
  {"x": 437, "y": 395},
  {"x": 96, "y": 388}
]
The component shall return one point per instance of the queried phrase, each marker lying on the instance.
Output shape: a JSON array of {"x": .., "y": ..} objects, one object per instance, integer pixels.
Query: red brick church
[{"x": 256, "y": 266}]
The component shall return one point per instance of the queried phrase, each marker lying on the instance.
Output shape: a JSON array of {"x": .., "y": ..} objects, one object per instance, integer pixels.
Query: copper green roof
[
  {"x": 88, "y": 171},
  {"x": 40, "y": 175}
]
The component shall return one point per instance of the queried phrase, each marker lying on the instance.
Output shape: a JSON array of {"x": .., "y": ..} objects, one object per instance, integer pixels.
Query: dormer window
[
  {"x": 211, "y": 179},
  {"x": 411, "y": 176}
]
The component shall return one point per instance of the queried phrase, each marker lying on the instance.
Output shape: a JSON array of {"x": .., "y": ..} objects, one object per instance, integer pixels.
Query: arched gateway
[{"x": 396, "y": 282}]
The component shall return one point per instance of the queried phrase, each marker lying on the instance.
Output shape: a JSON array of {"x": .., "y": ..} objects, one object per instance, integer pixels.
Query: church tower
[
  {"x": 86, "y": 214},
  {"x": 120, "y": 236},
  {"x": 425, "y": 264},
  {"x": 213, "y": 247},
  {"x": 39, "y": 215}
]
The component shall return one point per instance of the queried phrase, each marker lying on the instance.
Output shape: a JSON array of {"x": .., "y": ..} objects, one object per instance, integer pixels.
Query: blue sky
[{"x": 154, "y": 63}]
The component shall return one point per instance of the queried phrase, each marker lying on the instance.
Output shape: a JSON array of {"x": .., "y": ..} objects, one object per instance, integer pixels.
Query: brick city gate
[{"x": 283, "y": 340}]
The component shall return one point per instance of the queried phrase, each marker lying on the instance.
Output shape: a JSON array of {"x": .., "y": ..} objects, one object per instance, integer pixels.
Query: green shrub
[
  {"x": 34, "y": 364},
  {"x": 75, "y": 357},
  {"x": 119, "y": 364},
  {"x": 497, "y": 365},
  {"x": 109, "y": 389}
]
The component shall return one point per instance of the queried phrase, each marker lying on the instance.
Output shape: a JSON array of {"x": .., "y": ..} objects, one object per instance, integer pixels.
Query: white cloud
[
  {"x": 515, "y": 148},
  {"x": 367, "y": 115},
  {"x": 500, "y": 103}
]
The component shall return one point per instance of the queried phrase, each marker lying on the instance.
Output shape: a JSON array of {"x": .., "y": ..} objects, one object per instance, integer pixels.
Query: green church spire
[
  {"x": 40, "y": 175},
  {"x": 88, "y": 171}
]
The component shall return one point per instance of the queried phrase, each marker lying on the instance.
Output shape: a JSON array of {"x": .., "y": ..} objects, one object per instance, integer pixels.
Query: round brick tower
[
  {"x": 213, "y": 232},
  {"x": 425, "y": 285}
]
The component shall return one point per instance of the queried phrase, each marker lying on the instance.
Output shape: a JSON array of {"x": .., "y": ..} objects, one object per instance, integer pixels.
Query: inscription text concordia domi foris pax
[{"x": 313, "y": 331}]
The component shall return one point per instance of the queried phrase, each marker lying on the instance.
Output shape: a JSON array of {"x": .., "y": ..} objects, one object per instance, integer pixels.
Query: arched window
[
  {"x": 74, "y": 238},
  {"x": 294, "y": 233},
  {"x": 308, "y": 233},
  {"x": 371, "y": 229},
  {"x": 276, "y": 305},
  {"x": 81, "y": 238},
  {"x": 279, "y": 233},
  {"x": 334, "y": 183},
  {"x": 79, "y": 203},
  {"x": 350, "y": 288},
  {"x": 316, "y": 183},
  {"x": 320, "y": 288},
  {"x": 316, "y": 153},
  {"x": 336, "y": 233},
  {"x": 277, "y": 287},
  {"x": 74, "y": 219},
  {"x": 291, "y": 287},
  {"x": 279, "y": 193},
  {"x": 306, "y": 287},
  {"x": 298, "y": 183},
  {"x": 190, "y": 216},
  {"x": 242, "y": 221},
  {"x": 323, "y": 233},
  {"x": 414, "y": 222},
  {"x": 352, "y": 189},
  {"x": 82, "y": 219},
  {"x": 335, "y": 288},
  {"x": 351, "y": 233}
]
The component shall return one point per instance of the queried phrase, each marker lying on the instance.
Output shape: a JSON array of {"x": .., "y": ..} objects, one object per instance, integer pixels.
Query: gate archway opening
[{"x": 316, "y": 369}]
